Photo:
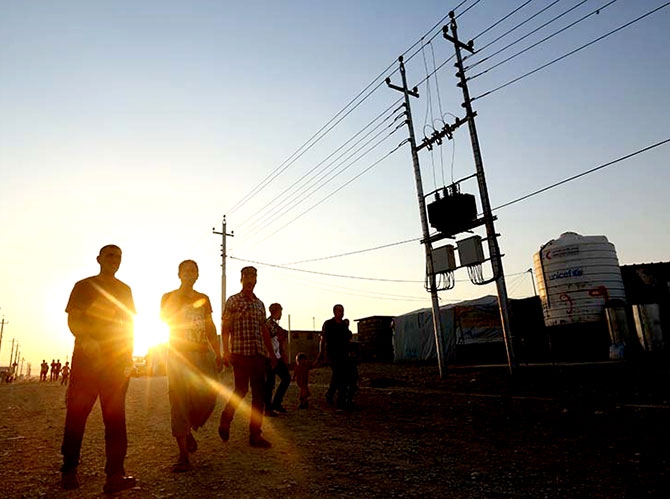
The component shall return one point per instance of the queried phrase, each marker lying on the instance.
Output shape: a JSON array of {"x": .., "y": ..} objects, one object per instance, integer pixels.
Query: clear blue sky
[{"x": 143, "y": 123}]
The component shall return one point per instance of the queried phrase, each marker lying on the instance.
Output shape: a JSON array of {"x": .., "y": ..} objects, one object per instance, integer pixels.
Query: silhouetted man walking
[
  {"x": 100, "y": 316},
  {"x": 246, "y": 344}
]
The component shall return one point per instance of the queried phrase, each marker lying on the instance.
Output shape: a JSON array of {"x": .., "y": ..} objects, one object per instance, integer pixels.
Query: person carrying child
[{"x": 335, "y": 335}]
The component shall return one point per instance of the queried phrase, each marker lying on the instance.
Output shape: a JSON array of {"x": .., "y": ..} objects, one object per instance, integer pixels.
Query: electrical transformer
[{"x": 452, "y": 214}]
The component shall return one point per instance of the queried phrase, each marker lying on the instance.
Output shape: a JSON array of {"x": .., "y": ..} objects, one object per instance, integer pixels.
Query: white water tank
[{"x": 576, "y": 276}]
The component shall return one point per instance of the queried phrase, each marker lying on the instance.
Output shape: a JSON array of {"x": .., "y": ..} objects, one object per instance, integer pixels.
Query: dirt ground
[{"x": 553, "y": 431}]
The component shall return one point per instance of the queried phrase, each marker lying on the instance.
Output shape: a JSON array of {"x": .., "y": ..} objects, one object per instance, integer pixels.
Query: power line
[
  {"x": 502, "y": 19},
  {"x": 437, "y": 83},
  {"x": 532, "y": 32},
  {"x": 304, "y": 183},
  {"x": 438, "y": 68},
  {"x": 485, "y": 94},
  {"x": 323, "y": 273},
  {"x": 341, "y": 187},
  {"x": 574, "y": 177},
  {"x": 613, "y": 162},
  {"x": 437, "y": 33},
  {"x": 332, "y": 288},
  {"x": 574, "y": 23},
  {"x": 356, "y": 252},
  {"x": 511, "y": 30},
  {"x": 293, "y": 159},
  {"x": 327, "y": 274},
  {"x": 307, "y": 145},
  {"x": 541, "y": 190},
  {"x": 517, "y": 282},
  {"x": 334, "y": 121},
  {"x": 471, "y": 6},
  {"x": 429, "y": 109},
  {"x": 325, "y": 181},
  {"x": 281, "y": 169},
  {"x": 341, "y": 115},
  {"x": 549, "y": 187}
]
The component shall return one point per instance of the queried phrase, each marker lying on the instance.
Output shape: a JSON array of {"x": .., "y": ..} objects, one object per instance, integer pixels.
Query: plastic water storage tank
[{"x": 576, "y": 276}]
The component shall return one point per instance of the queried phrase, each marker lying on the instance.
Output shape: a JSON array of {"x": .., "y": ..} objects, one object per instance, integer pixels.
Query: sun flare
[{"x": 149, "y": 332}]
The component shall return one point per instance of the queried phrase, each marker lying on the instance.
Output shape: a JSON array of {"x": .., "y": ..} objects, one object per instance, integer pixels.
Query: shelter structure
[
  {"x": 468, "y": 322},
  {"x": 472, "y": 332}
]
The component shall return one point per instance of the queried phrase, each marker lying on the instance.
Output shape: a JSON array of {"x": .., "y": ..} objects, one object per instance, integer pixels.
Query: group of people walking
[
  {"x": 100, "y": 316},
  {"x": 58, "y": 371}
]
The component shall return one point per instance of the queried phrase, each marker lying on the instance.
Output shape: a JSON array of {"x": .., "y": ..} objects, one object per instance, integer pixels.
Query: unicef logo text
[{"x": 564, "y": 274}]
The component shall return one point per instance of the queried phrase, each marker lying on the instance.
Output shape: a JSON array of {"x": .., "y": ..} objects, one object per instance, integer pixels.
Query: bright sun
[{"x": 149, "y": 331}]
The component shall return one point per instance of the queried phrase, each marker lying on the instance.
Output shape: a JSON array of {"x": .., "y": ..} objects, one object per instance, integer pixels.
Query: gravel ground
[{"x": 550, "y": 431}]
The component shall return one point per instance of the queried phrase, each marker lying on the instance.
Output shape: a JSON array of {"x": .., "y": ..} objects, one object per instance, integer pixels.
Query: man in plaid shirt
[{"x": 246, "y": 345}]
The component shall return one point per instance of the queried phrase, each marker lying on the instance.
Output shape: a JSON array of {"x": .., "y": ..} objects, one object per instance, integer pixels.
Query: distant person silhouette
[
  {"x": 44, "y": 370},
  {"x": 193, "y": 359},
  {"x": 100, "y": 316},
  {"x": 335, "y": 335},
  {"x": 59, "y": 366},
  {"x": 246, "y": 344},
  {"x": 52, "y": 372},
  {"x": 279, "y": 339},
  {"x": 65, "y": 374}
]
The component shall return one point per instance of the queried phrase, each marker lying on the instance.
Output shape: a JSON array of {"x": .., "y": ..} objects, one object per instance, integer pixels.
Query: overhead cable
[
  {"x": 377, "y": 82},
  {"x": 549, "y": 37},
  {"x": 510, "y": 31},
  {"x": 312, "y": 141},
  {"x": 293, "y": 269},
  {"x": 286, "y": 197},
  {"x": 438, "y": 68},
  {"x": 331, "y": 175},
  {"x": 569, "y": 179},
  {"x": 466, "y": 10},
  {"x": 571, "y": 52},
  {"x": 502, "y": 19},
  {"x": 345, "y": 290},
  {"x": 356, "y": 252},
  {"x": 511, "y": 44},
  {"x": 335, "y": 191},
  {"x": 323, "y": 273},
  {"x": 522, "y": 198}
]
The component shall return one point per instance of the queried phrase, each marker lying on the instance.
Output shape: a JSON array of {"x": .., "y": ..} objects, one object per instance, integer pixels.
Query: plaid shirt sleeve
[{"x": 246, "y": 317}]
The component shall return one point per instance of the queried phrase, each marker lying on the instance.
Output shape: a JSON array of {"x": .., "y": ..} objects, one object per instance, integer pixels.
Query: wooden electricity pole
[
  {"x": 437, "y": 328},
  {"x": 223, "y": 235},
  {"x": 491, "y": 235}
]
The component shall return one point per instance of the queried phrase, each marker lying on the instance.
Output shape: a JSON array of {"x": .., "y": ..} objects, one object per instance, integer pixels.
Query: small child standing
[{"x": 301, "y": 377}]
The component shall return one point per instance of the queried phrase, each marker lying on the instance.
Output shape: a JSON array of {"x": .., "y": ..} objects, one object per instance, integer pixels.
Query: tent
[{"x": 468, "y": 322}]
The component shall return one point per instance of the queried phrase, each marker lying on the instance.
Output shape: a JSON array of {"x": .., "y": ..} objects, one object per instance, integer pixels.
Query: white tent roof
[{"x": 470, "y": 321}]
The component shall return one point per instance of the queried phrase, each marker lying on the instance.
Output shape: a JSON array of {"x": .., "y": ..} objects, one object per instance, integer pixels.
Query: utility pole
[
  {"x": 11, "y": 353},
  {"x": 491, "y": 236},
  {"x": 16, "y": 354},
  {"x": 2, "y": 330},
  {"x": 437, "y": 329},
  {"x": 223, "y": 235},
  {"x": 532, "y": 280}
]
